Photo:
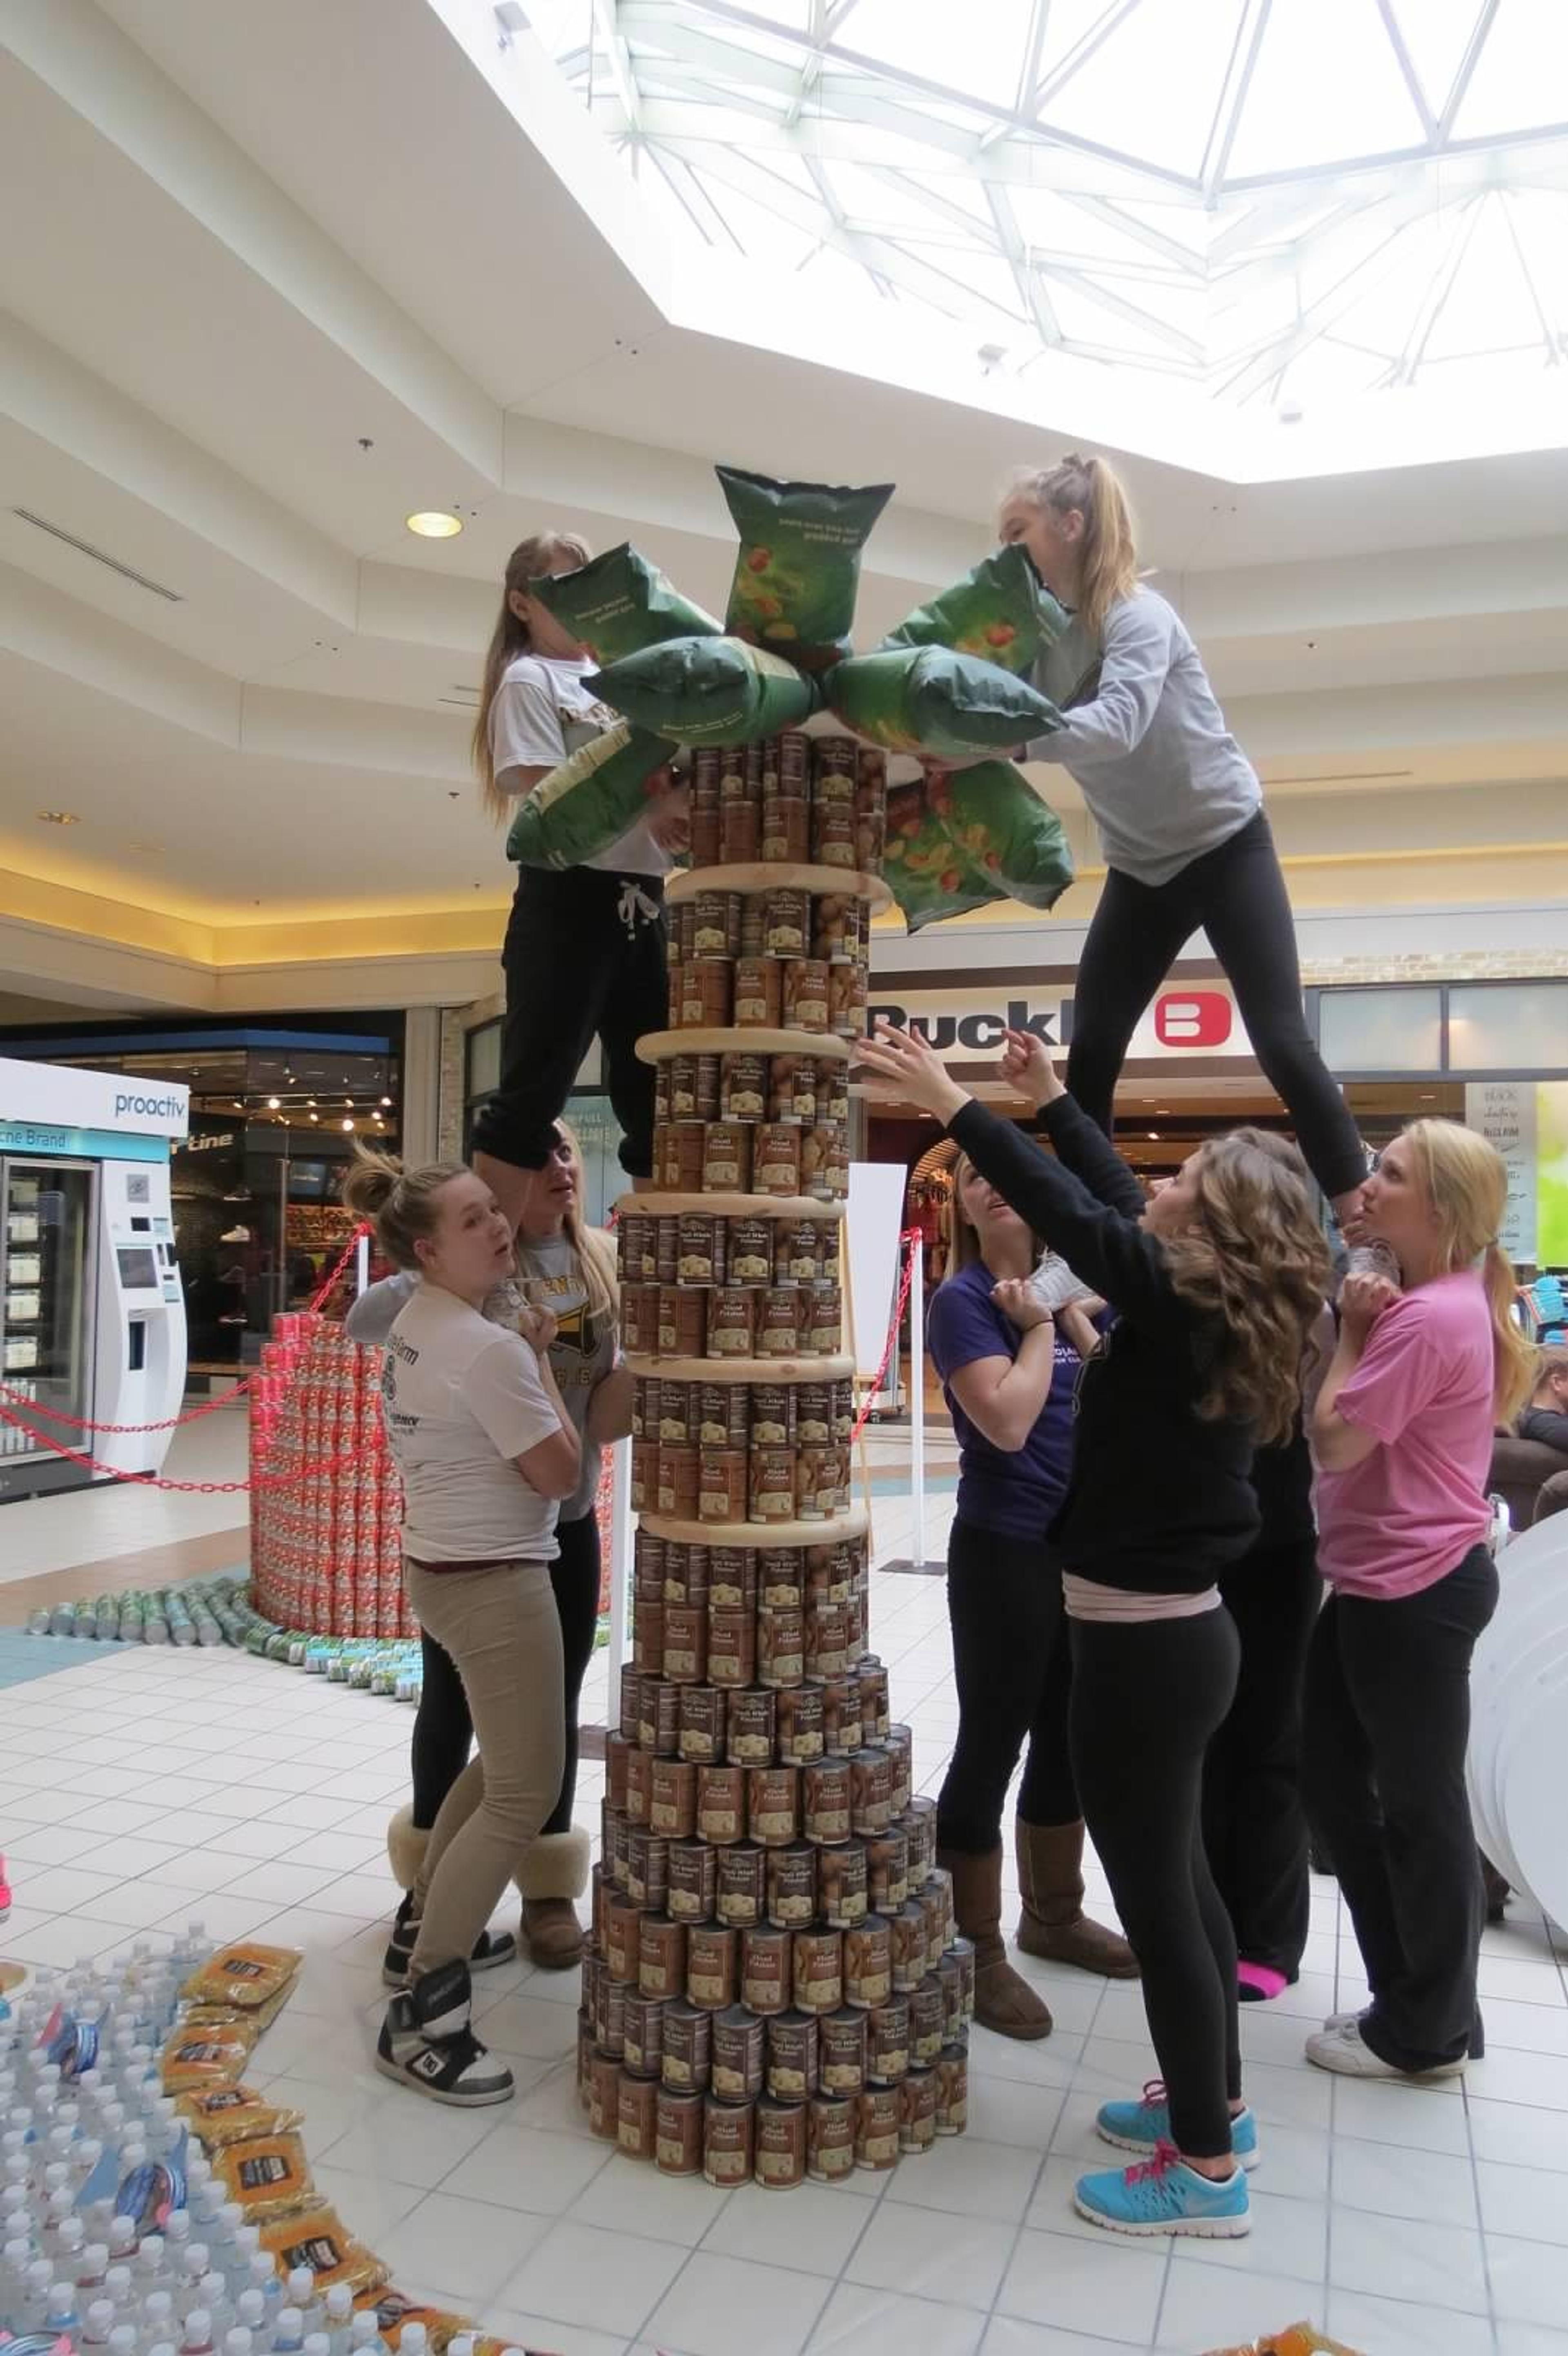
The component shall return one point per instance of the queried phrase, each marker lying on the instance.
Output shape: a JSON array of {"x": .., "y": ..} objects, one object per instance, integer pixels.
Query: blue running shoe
[
  {"x": 1163, "y": 2195},
  {"x": 1144, "y": 2125}
]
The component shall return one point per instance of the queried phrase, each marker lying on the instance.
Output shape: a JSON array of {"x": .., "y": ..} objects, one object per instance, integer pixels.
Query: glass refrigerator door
[{"x": 46, "y": 1266}]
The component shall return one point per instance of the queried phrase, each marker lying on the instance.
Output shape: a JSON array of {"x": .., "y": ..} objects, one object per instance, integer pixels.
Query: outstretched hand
[
  {"x": 906, "y": 1070},
  {"x": 1027, "y": 1066}
]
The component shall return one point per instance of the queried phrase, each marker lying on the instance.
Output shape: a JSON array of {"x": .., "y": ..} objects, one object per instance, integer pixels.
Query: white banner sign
[
  {"x": 1198, "y": 1018},
  {"x": 56, "y": 1095},
  {"x": 1505, "y": 1112}
]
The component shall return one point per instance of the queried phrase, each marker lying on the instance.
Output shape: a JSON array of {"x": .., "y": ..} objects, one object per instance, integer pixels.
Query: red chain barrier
[{"x": 908, "y": 1239}]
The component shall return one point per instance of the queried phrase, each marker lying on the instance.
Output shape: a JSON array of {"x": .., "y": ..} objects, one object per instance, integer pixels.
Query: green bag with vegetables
[
  {"x": 589, "y": 802},
  {"x": 998, "y": 613},
  {"x": 619, "y": 603},
  {"x": 931, "y": 702},
  {"x": 799, "y": 566},
  {"x": 708, "y": 691},
  {"x": 962, "y": 838}
]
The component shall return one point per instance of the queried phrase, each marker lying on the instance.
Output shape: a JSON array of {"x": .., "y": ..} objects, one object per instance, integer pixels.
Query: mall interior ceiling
[{"x": 293, "y": 274}]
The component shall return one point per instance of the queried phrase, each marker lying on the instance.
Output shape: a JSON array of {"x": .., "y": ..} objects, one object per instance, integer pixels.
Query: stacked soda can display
[
  {"x": 326, "y": 1502},
  {"x": 773, "y": 1986}
]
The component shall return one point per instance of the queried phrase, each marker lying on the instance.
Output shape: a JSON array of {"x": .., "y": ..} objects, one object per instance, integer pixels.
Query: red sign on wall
[{"x": 1192, "y": 1018}]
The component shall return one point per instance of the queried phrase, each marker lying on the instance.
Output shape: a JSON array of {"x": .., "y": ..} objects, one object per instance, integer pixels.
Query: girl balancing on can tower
[{"x": 1179, "y": 812}]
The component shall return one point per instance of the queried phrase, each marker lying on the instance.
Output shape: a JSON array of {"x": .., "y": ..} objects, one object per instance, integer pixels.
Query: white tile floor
[
  {"x": 56, "y": 1533},
  {"x": 140, "y": 1790}
]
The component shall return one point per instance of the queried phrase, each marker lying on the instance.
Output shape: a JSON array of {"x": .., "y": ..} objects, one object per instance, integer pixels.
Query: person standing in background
[{"x": 1008, "y": 1371}]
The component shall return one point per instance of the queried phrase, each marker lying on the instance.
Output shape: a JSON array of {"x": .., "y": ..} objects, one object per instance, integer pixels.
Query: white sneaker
[
  {"x": 1340, "y": 2047},
  {"x": 1054, "y": 1284}
]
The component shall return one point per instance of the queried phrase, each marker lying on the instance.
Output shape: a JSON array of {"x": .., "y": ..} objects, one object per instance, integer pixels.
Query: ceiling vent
[{"x": 98, "y": 555}]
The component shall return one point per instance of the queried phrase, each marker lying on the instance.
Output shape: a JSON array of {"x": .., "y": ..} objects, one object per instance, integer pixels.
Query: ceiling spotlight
[
  {"x": 434, "y": 523},
  {"x": 386, "y": 1100},
  {"x": 315, "y": 1116},
  {"x": 59, "y": 818},
  {"x": 348, "y": 1124},
  {"x": 271, "y": 1104},
  {"x": 1154, "y": 1136},
  {"x": 991, "y": 356},
  {"x": 310, "y": 1100}
]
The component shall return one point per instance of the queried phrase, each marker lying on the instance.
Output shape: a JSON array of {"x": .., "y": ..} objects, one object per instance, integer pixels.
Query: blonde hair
[
  {"x": 595, "y": 1251},
  {"x": 962, "y": 1236},
  {"x": 529, "y": 561},
  {"x": 1108, "y": 566},
  {"x": 1465, "y": 1181},
  {"x": 1550, "y": 1358},
  {"x": 1256, "y": 1260},
  {"x": 401, "y": 1203}
]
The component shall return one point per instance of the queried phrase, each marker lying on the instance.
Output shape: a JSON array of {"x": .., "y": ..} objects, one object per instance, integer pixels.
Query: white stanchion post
[
  {"x": 916, "y": 1398},
  {"x": 361, "y": 1264},
  {"x": 620, "y": 1567}
]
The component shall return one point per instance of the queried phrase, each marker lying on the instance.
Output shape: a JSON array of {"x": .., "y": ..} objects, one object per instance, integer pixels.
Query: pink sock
[{"x": 1259, "y": 1978}]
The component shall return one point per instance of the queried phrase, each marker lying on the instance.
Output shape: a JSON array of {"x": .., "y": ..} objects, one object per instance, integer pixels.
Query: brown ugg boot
[
  {"x": 1053, "y": 1923},
  {"x": 406, "y": 1846},
  {"x": 1002, "y": 2000},
  {"x": 554, "y": 1873}
]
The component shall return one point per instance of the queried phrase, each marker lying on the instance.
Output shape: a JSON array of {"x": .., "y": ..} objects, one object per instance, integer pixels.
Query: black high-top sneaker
[
  {"x": 426, "y": 2042},
  {"x": 490, "y": 1947}
]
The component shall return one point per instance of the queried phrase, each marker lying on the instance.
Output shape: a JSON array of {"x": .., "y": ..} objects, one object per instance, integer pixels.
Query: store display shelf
[
  {"x": 702, "y": 1039},
  {"x": 730, "y": 1206},
  {"x": 741, "y": 1370},
  {"x": 833, "y": 1526},
  {"x": 775, "y": 875}
]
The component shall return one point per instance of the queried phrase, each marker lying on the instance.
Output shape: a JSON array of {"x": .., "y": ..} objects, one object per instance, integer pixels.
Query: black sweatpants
[
  {"x": 1255, "y": 1826},
  {"x": 1388, "y": 1724},
  {"x": 1013, "y": 1668},
  {"x": 1236, "y": 895},
  {"x": 443, "y": 1731},
  {"x": 583, "y": 959},
  {"x": 1147, "y": 1698}
]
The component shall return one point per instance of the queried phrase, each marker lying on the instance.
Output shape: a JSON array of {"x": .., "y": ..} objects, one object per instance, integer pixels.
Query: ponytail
[
  {"x": 401, "y": 1203},
  {"x": 1108, "y": 567},
  {"x": 1515, "y": 1358},
  {"x": 529, "y": 561}
]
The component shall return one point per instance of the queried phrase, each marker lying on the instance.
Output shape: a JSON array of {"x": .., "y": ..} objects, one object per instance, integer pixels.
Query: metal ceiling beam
[
  {"x": 1169, "y": 249},
  {"x": 1249, "y": 29},
  {"x": 1467, "y": 64},
  {"x": 1439, "y": 286},
  {"x": 1543, "y": 319},
  {"x": 1079, "y": 54},
  {"x": 1034, "y": 42},
  {"x": 1274, "y": 353},
  {"x": 1407, "y": 68},
  {"x": 1036, "y": 301},
  {"x": 620, "y": 60},
  {"x": 1093, "y": 291}
]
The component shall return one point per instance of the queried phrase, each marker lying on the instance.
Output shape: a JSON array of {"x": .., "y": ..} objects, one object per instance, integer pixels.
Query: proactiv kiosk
[{"x": 92, "y": 1322}]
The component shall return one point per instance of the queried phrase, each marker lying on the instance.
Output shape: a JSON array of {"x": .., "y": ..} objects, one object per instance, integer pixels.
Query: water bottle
[
  {"x": 302, "y": 2295},
  {"x": 60, "y": 2318},
  {"x": 237, "y": 2342},
  {"x": 92, "y": 2273},
  {"x": 14, "y": 2259},
  {"x": 152, "y": 2262},
  {"x": 120, "y": 2290},
  {"x": 122, "y": 2340},
  {"x": 288, "y": 2332},
  {"x": 363, "y": 2338},
  {"x": 122, "y": 2238},
  {"x": 252, "y": 2309},
  {"x": 265, "y": 2282},
  {"x": 158, "y": 2319},
  {"x": 413, "y": 2339},
  {"x": 197, "y": 2340},
  {"x": 339, "y": 2315},
  {"x": 317, "y": 2343},
  {"x": 35, "y": 2304},
  {"x": 99, "y": 2326},
  {"x": 1374, "y": 1257}
]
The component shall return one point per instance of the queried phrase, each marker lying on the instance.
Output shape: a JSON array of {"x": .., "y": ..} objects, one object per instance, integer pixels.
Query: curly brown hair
[{"x": 1256, "y": 1258}]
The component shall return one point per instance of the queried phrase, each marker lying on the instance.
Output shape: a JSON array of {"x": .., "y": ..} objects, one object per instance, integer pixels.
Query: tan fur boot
[
  {"x": 1053, "y": 1924},
  {"x": 406, "y": 1846},
  {"x": 1003, "y": 2000},
  {"x": 554, "y": 1873}
]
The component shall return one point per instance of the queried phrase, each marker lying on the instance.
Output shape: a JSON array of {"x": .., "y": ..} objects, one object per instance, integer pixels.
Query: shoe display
[
  {"x": 1145, "y": 2125},
  {"x": 427, "y": 2043},
  {"x": 1163, "y": 2195},
  {"x": 1339, "y": 2046},
  {"x": 491, "y": 1948}
]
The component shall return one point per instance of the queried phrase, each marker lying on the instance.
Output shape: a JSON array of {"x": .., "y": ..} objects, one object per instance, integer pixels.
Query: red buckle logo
[{"x": 1192, "y": 1018}]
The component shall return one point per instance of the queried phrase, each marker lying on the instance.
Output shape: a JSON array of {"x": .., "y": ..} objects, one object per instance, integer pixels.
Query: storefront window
[
  {"x": 1382, "y": 1029},
  {"x": 1508, "y": 1026}
]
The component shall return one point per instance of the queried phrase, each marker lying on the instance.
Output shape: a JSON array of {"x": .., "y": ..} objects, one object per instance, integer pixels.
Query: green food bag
[
  {"x": 619, "y": 603},
  {"x": 967, "y": 837},
  {"x": 799, "y": 566},
  {"x": 589, "y": 802},
  {"x": 708, "y": 691},
  {"x": 998, "y": 613},
  {"x": 931, "y": 701},
  {"x": 1067, "y": 668}
]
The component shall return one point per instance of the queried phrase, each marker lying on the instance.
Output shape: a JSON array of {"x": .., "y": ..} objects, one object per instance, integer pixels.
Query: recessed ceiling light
[
  {"x": 59, "y": 818},
  {"x": 348, "y": 1124},
  {"x": 434, "y": 523},
  {"x": 271, "y": 1104},
  {"x": 386, "y": 1100}
]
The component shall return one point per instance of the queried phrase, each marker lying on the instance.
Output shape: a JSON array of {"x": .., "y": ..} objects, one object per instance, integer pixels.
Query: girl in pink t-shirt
[{"x": 1402, "y": 1432}]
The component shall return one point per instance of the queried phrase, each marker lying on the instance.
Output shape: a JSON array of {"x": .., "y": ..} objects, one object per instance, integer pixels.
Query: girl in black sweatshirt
[{"x": 1216, "y": 1281}]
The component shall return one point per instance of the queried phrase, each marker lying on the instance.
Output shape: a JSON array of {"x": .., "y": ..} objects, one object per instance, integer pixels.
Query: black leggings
[
  {"x": 1388, "y": 1724},
  {"x": 1255, "y": 1826},
  {"x": 1236, "y": 895},
  {"x": 585, "y": 960},
  {"x": 443, "y": 1731},
  {"x": 1013, "y": 1669},
  {"x": 1147, "y": 1698}
]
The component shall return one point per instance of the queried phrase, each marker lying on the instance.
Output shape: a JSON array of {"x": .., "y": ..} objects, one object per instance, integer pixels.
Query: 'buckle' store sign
[{"x": 1197, "y": 1021}]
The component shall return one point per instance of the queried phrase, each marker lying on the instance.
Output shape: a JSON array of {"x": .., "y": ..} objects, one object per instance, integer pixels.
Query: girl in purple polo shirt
[
  {"x": 1402, "y": 1435},
  {"x": 1008, "y": 1369}
]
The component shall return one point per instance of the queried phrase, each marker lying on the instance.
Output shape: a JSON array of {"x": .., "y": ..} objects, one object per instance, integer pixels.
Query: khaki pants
[{"x": 503, "y": 1631}]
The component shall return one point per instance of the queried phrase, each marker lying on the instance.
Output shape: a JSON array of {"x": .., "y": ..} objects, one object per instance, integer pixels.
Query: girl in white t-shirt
[
  {"x": 486, "y": 1450},
  {"x": 585, "y": 953}
]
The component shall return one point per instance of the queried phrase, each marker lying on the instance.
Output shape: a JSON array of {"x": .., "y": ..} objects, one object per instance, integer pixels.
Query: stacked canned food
[
  {"x": 785, "y": 960},
  {"x": 796, "y": 799},
  {"x": 742, "y": 1451},
  {"x": 774, "y": 1988},
  {"x": 740, "y": 1123}
]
